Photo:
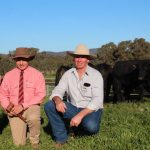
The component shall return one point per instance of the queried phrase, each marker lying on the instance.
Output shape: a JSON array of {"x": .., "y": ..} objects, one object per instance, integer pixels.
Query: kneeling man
[{"x": 84, "y": 87}]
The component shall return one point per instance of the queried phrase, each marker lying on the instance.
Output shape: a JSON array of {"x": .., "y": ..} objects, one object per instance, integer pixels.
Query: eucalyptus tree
[
  {"x": 106, "y": 54},
  {"x": 140, "y": 49}
]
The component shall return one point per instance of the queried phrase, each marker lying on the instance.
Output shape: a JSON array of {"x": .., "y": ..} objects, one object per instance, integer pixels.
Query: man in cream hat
[
  {"x": 21, "y": 93},
  {"x": 84, "y": 86}
]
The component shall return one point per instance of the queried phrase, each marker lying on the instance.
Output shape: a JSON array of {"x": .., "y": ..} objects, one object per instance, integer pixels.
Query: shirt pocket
[
  {"x": 14, "y": 90},
  {"x": 86, "y": 91},
  {"x": 30, "y": 87}
]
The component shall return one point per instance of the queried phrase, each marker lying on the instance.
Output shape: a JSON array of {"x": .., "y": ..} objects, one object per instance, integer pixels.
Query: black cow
[
  {"x": 126, "y": 78},
  {"x": 106, "y": 71},
  {"x": 60, "y": 71},
  {"x": 144, "y": 76}
]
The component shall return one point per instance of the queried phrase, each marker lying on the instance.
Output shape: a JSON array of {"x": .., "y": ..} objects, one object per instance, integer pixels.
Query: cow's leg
[{"x": 117, "y": 91}]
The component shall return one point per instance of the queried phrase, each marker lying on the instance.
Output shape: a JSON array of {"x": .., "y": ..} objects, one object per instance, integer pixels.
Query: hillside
[{"x": 63, "y": 53}]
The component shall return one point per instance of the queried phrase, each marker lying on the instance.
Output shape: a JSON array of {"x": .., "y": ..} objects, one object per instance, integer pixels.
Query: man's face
[
  {"x": 81, "y": 62},
  {"x": 21, "y": 63}
]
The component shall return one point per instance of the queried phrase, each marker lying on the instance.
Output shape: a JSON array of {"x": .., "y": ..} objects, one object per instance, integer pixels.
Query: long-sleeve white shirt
[{"x": 87, "y": 92}]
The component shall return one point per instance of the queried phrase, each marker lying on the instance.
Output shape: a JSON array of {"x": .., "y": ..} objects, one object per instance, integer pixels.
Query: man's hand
[
  {"x": 17, "y": 109},
  {"x": 10, "y": 114},
  {"x": 60, "y": 105},
  {"x": 76, "y": 120}
]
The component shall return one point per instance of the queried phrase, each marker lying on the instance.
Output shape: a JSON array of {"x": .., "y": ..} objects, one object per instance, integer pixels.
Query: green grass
[{"x": 125, "y": 126}]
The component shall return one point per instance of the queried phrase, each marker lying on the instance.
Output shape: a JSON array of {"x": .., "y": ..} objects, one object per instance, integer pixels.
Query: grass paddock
[{"x": 124, "y": 126}]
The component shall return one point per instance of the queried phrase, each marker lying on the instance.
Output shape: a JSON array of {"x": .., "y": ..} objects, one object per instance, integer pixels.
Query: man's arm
[
  {"x": 58, "y": 93},
  {"x": 4, "y": 94},
  {"x": 60, "y": 105},
  {"x": 76, "y": 120}
]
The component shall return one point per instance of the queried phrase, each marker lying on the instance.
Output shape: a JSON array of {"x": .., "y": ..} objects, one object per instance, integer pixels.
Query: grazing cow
[{"x": 126, "y": 78}]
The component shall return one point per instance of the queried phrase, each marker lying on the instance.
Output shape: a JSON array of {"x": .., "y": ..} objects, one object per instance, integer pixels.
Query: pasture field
[{"x": 125, "y": 126}]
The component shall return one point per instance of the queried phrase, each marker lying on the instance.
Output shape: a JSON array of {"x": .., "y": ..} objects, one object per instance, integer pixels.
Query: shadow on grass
[
  {"x": 3, "y": 122},
  {"x": 42, "y": 120},
  {"x": 132, "y": 98},
  {"x": 48, "y": 130}
]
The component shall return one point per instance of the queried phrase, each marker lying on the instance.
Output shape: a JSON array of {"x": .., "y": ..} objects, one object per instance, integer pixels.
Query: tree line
[
  {"x": 138, "y": 49},
  {"x": 109, "y": 53}
]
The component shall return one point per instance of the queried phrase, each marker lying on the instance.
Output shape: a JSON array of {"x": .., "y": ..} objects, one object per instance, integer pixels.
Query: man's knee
[
  {"x": 91, "y": 127},
  {"x": 34, "y": 118},
  {"x": 49, "y": 106}
]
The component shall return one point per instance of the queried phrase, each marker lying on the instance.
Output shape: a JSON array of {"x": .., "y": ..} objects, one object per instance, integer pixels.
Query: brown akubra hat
[{"x": 23, "y": 52}]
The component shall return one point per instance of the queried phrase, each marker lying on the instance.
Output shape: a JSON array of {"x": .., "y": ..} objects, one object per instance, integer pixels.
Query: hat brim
[
  {"x": 88, "y": 56},
  {"x": 23, "y": 56}
]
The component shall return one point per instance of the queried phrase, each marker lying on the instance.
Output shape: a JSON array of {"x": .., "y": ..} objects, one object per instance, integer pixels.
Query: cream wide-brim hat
[{"x": 81, "y": 50}]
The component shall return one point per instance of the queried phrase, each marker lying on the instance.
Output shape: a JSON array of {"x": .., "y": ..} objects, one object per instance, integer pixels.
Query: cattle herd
[{"x": 124, "y": 80}]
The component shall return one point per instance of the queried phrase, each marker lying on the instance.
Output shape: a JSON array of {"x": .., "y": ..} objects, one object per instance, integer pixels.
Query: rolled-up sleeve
[{"x": 97, "y": 93}]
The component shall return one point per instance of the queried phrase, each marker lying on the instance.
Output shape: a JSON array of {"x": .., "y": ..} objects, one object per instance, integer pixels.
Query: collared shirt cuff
[{"x": 53, "y": 95}]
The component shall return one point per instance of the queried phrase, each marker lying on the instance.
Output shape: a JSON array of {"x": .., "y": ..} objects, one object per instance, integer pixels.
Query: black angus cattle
[
  {"x": 104, "y": 69},
  {"x": 60, "y": 71},
  {"x": 126, "y": 78},
  {"x": 144, "y": 77}
]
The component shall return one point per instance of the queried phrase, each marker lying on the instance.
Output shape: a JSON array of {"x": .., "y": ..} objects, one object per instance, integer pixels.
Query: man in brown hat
[
  {"x": 21, "y": 93},
  {"x": 84, "y": 86}
]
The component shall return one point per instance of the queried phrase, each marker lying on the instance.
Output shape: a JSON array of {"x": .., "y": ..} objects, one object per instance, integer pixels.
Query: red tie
[{"x": 21, "y": 95}]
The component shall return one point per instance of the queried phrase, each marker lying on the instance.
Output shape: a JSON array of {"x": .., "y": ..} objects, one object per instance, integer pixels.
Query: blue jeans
[{"x": 90, "y": 123}]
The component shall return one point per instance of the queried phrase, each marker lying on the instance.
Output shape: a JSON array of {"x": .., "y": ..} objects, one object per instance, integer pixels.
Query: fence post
[{"x": 50, "y": 83}]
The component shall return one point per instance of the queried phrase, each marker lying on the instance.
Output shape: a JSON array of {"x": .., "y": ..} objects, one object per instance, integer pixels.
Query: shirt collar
[{"x": 87, "y": 72}]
